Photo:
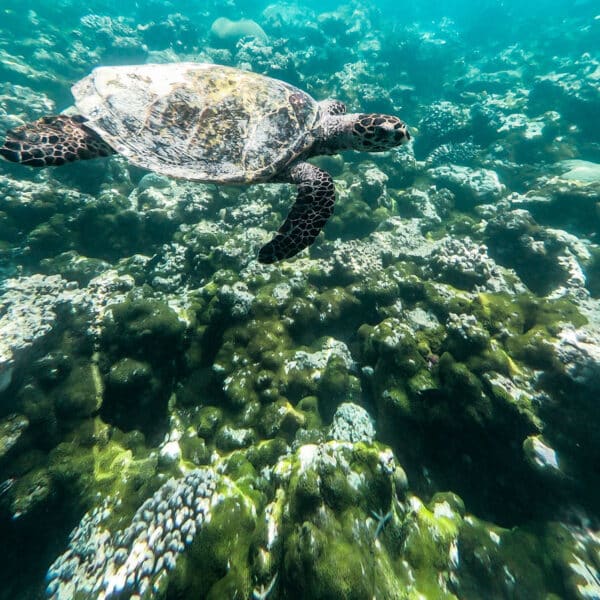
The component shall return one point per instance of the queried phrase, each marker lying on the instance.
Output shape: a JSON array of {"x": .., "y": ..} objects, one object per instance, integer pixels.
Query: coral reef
[
  {"x": 349, "y": 501},
  {"x": 137, "y": 559},
  {"x": 406, "y": 409}
]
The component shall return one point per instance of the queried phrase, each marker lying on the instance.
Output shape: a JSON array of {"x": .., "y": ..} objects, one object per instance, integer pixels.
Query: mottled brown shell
[{"x": 198, "y": 121}]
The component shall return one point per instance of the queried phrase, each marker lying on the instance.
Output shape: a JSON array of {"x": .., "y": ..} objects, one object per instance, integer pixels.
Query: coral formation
[
  {"x": 229, "y": 31},
  {"x": 407, "y": 409},
  {"x": 137, "y": 559}
]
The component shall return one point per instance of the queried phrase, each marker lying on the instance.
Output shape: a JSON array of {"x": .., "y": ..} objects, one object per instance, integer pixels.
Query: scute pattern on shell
[{"x": 198, "y": 121}]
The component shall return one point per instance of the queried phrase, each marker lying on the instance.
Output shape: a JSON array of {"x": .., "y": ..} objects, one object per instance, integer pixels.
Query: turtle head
[{"x": 376, "y": 133}]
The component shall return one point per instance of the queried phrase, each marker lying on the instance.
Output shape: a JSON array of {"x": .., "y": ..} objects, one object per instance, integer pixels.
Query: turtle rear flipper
[
  {"x": 53, "y": 141},
  {"x": 313, "y": 206}
]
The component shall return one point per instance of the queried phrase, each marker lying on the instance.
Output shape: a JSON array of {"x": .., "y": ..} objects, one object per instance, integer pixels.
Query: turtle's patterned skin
[
  {"x": 53, "y": 141},
  {"x": 316, "y": 196},
  {"x": 210, "y": 123}
]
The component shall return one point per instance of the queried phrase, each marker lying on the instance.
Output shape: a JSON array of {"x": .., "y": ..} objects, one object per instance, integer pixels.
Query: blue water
[{"x": 406, "y": 409}]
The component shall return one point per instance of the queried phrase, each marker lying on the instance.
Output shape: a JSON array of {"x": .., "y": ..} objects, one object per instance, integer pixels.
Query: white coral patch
[
  {"x": 318, "y": 360},
  {"x": 307, "y": 456},
  {"x": 591, "y": 588},
  {"x": 272, "y": 528},
  {"x": 171, "y": 451},
  {"x": 443, "y": 509},
  {"x": 415, "y": 503},
  {"x": 544, "y": 455},
  {"x": 453, "y": 554}
]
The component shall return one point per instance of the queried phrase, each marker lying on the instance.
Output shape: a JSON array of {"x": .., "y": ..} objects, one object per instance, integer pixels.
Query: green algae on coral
[
  {"x": 31, "y": 493},
  {"x": 143, "y": 328},
  {"x": 91, "y": 464},
  {"x": 80, "y": 395}
]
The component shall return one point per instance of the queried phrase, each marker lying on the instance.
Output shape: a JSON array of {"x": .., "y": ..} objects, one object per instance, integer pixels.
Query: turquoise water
[{"x": 406, "y": 409}]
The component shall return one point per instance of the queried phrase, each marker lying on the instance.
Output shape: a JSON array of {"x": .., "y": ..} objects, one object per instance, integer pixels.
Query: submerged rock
[
  {"x": 28, "y": 314},
  {"x": 351, "y": 423},
  {"x": 581, "y": 171},
  {"x": 11, "y": 430},
  {"x": 471, "y": 186},
  {"x": 461, "y": 263},
  {"x": 579, "y": 353},
  {"x": 542, "y": 457}
]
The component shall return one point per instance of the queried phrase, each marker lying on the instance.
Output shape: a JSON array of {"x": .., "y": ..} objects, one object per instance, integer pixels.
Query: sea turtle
[{"x": 210, "y": 123}]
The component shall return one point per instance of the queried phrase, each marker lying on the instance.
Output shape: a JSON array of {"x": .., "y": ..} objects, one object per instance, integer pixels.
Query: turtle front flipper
[
  {"x": 313, "y": 206},
  {"x": 53, "y": 141}
]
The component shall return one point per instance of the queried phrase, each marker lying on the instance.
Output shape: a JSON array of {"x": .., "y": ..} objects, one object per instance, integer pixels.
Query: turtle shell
[{"x": 198, "y": 121}]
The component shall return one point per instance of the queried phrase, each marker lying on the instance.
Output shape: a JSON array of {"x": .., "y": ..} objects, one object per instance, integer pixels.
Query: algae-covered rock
[
  {"x": 392, "y": 342},
  {"x": 327, "y": 372},
  {"x": 325, "y": 510},
  {"x": 281, "y": 418},
  {"x": 228, "y": 439},
  {"x": 134, "y": 397},
  {"x": 517, "y": 241},
  {"x": 207, "y": 420},
  {"x": 80, "y": 395},
  {"x": 129, "y": 374},
  {"x": 30, "y": 493},
  {"x": 93, "y": 466},
  {"x": 52, "y": 368},
  {"x": 465, "y": 389},
  {"x": 142, "y": 341},
  {"x": 556, "y": 560},
  {"x": 465, "y": 336},
  {"x": 143, "y": 328},
  {"x": 208, "y": 533},
  {"x": 12, "y": 428}
]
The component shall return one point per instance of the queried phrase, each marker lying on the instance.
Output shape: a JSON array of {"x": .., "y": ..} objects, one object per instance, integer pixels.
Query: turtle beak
[
  {"x": 401, "y": 133},
  {"x": 395, "y": 131}
]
